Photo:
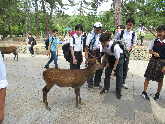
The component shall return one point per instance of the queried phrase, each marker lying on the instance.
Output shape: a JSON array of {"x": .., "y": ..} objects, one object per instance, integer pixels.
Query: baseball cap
[{"x": 97, "y": 25}]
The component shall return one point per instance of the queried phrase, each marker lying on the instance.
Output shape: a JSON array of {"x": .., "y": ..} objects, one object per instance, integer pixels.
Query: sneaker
[
  {"x": 103, "y": 91},
  {"x": 47, "y": 67},
  {"x": 32, "y": 55},
  {"x": 157, "y": 95},
  {"x": 145, "y": 96},
  {"x": 125, "y": 86},
  {"x": 119, "y": 96}
]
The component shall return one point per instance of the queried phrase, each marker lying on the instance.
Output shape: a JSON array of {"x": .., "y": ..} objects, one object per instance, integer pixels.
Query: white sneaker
[
  {"x": 32, "y": 55},
  {"x": 125, "y": 86}
]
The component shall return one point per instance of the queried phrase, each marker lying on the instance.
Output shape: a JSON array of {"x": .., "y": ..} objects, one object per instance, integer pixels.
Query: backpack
[
  {"x": 66, "y": 50},
  {"x": 47, "y": 43},
  {"x": 133, "y": 35},
  {"x": 34, "y": 42},
  {"x": 122, "y": 46}
]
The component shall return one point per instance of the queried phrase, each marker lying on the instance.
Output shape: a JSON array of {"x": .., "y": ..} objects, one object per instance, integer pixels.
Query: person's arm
[
  {"x": 106, "y": 57},
  {"x": 48, "y": 52}
]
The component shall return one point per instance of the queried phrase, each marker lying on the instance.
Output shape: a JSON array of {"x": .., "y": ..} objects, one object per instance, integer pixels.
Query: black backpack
[
  {"x": 34, "y": 42},
  {"x": 66, "y": 50},
  {"x": 47, "y": 43},
  {"x": 133, "y": 35}
]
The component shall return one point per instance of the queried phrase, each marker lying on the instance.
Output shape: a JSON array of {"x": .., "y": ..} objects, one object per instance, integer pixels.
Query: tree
[
  {"x": 36, "y": 18},
  {"x": 117, "y": 13}
]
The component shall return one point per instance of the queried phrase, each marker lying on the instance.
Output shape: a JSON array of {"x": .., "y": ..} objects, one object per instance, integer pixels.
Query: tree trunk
[
  {"x": 36, "y": 19},
  {"x": 43, "y": 6},
  {"x": 10, "y": 31},
  {"x": 27, "y": 10},
  {"x": 4, "y": 33},
  {"x": 117, "y": 13}
]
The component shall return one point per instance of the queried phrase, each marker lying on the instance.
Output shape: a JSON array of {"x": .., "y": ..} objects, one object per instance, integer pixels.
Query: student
[
  {"x": 93, "y": 43},
  {"x": 130, "y": 40},
  {"x": 53, "y": 49},
  {"x": 3, "y": 84},
  {"x": 156, "y": 66},
  {"x": 72, "y": 32},
  {"x": 114, "y": 63},
  {"x": 76, "y": 44},
  {"x": 31, "y": 44}
]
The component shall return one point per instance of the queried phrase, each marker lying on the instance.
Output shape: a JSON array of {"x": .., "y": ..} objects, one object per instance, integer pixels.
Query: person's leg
[
  {"x": 54, "y": 58},
  {"x": 98, "y": 74},
  {"x": 160, "y": 84},
  {"x": 2, "y": 103},
  {"x": 90, "y": 81},
  {"x": 144, "y": 94},
  {"x": 125, "y": 70},
  {"x": 28, "y": 49},
  {"x": 108, "y": 72},
  {"x": 119, "y": 76},
  {"x": 146, "y": 84},
  {"x": 157, "y": 95},
  {"x": 32, "y": 50},
  {"x": 51, "y": 59}
]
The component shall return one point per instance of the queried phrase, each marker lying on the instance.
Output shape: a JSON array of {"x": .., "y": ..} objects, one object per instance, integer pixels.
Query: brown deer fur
[
  {"x": 8, "y": 50},
  {"x": 69, "y": 78}
]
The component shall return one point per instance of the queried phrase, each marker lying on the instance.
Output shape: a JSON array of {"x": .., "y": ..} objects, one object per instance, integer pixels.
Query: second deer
[
  {"x": 69, "y": 78},
  {"x": 8, "y": 50}
]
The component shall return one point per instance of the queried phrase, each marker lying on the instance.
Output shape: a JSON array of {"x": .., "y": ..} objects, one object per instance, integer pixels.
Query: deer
[
  {"x": 69, "y": 78},
  {"x": 8, "y": 50}
]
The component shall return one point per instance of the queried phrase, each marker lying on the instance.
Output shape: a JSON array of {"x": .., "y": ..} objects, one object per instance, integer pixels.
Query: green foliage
[{"x": 146, "y": 13}]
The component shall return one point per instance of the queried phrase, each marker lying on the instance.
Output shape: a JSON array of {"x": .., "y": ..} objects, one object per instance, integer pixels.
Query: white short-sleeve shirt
[
  {"x": 78, "y": 43},
  {"x": 152, "y": 44},
  {"x": 117, "y": 50},
  {"x": 97, "y": 43},
  {"x": 3, "y": 81},
  {"x": 128, "y": 37}
]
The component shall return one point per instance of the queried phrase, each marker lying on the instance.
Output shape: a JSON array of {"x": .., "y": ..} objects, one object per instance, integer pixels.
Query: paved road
[{"x": 24, "y": 97}]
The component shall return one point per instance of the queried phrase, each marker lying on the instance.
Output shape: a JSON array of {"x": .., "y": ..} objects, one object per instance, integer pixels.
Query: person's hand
[
  {"x": 107, "y": 65},
  {"x": 48, "y": 52},
  {"x": 156, "y": 54},
  {"x": 163, "y": 70},
  {"x": 57, "y": 53},
  {"x": 112, "y": 73},
  {"x": 129, "y": 49},
  {"x": 74, "y": 61}
]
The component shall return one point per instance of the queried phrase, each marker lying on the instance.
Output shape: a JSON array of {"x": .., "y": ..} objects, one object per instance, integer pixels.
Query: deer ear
[{"x": 87, "y": 59}]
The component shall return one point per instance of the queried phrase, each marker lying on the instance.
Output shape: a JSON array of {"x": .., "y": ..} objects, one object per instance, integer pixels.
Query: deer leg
[
  {"x": 45, "y": 91},
  {"x": 76, "y": 92},
  {"x": 79, "y": 95},
  {"x": 17, "y": 56}
]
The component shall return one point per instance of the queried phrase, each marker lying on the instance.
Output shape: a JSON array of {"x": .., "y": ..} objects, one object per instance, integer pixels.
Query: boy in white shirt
[
  {"x": 114, "y": 63},
  {"x": 93, "y": 47},
  {"x": 130, "y": 40}
]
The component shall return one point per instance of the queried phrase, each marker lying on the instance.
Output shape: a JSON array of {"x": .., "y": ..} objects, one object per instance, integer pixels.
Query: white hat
[{"x": 97, "y": 25}]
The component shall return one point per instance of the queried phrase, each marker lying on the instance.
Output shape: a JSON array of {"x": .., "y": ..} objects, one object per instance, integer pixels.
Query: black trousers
[
  {"x": 78, "y": 57},
  {"x": 97, "y": 77},
  {"x": 119, "y": 73},
  {"x": 32, "y": 50},
  {"x": 125, "y": 68}
]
